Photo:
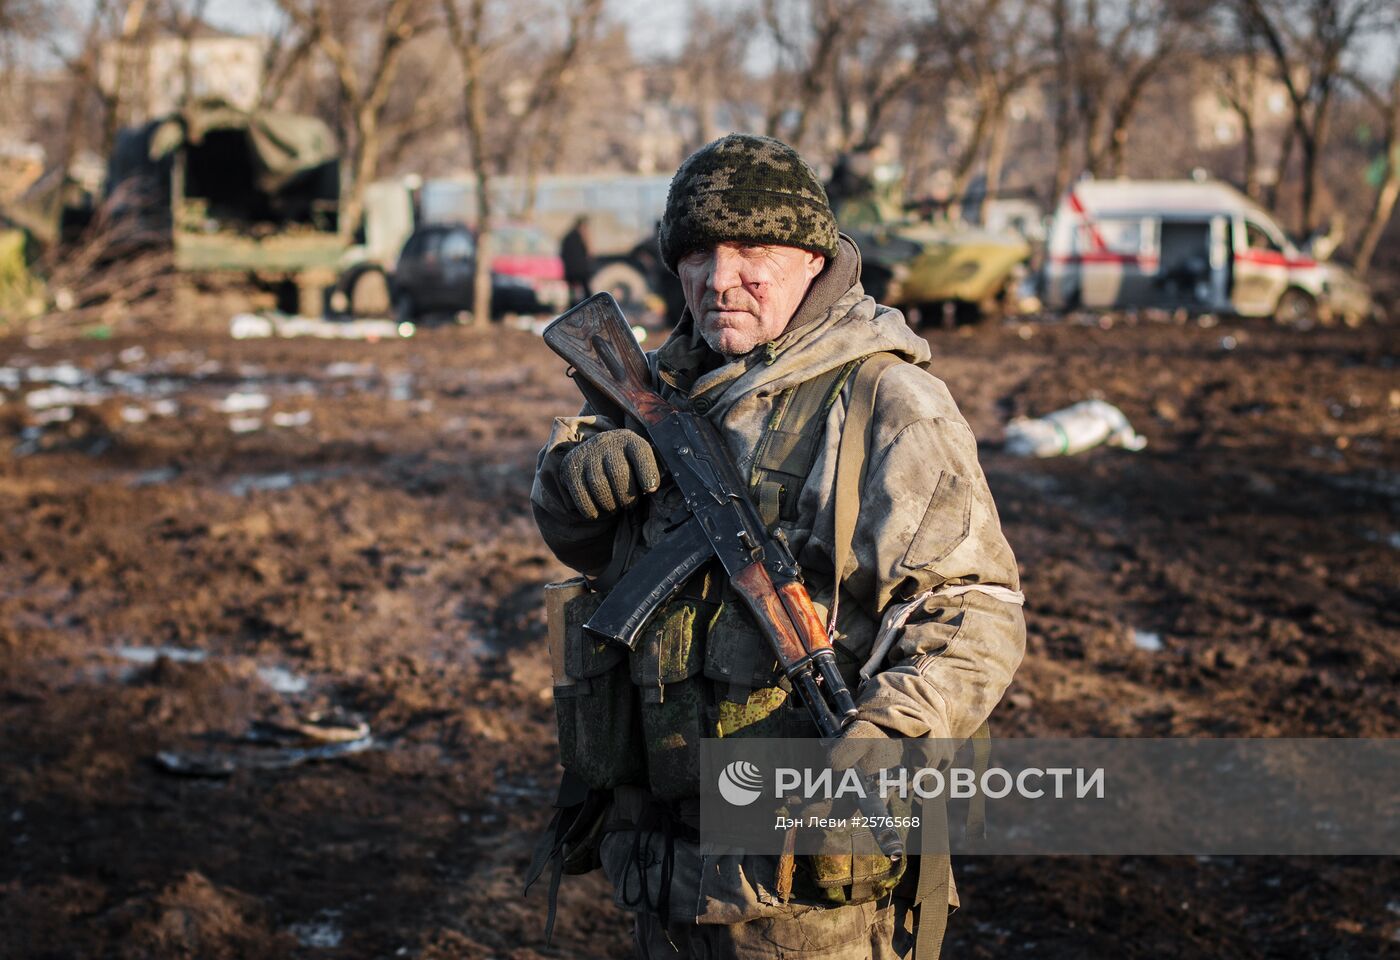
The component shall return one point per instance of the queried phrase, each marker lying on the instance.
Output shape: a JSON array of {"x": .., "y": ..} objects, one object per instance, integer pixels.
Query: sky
[
  {"x": 658, "y": 26},
  {"x": 655, "y": 26}
]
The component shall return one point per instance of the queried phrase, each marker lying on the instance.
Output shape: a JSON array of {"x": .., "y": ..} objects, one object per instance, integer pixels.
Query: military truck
[
  {"x": 237, "y": 192},
  {"x": 932, "y": 269}
]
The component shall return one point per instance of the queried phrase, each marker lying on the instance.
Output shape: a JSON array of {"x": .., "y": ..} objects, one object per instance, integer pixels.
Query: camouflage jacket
[{"x": 927, "y": 532}]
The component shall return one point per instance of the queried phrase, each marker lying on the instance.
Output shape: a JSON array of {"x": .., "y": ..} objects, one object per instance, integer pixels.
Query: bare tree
[
  {"x": 1237, "y": 74},
  {"x": 82, "y": 61},
  {"x": 842, "y": 65},
  {"x": 806, "y": 35},
  {"x": 469, "y": 37},
  {"x": 287, "y": 52},
  {"x": 995, "y": 49},
  {"x": 1309, "y": 41},
  {"x": 885, "y": 51},
  {"x": 363, "y": 83},
  {"x": 480, "y": 32},
  {"x": 20, "y": 22},
  {"x": 710, "y": 78},
  {"x": 1386, "y": 104},
  {"x": 1122, "y": 47}
]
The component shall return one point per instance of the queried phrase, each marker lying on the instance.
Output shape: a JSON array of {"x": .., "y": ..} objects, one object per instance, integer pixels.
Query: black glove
[{"x": 608, "y": 472}]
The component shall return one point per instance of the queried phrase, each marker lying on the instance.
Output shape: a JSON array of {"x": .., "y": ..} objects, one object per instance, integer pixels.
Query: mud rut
[{"x": 166, "y": 582}]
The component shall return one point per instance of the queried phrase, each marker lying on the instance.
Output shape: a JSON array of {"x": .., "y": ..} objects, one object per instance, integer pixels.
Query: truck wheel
[
  {"x": 1296, "y": 308},
  {"x": 625, "y": 282},
  {"x": 966, "y": 313},
  {"x": 629, "y": 288},
  {"x": 404, "y": 309},
  {"x": 369, "y": 295}
]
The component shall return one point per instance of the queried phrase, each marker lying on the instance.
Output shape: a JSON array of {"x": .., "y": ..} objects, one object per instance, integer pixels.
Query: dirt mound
[{"x": 197, "y": 919}]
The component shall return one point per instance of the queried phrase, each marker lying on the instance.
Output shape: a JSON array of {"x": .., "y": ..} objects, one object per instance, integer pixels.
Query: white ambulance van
[{"x": 1198, "y": 245}]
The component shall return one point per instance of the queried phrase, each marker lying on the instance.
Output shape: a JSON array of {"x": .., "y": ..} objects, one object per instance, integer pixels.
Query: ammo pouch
[
  {"x": 674, "y": 706},
  {"x": 846, "y": 878},
  {"x": 600, "y": 738},
  {"x": 858, "y": 876},
  {"x": 752, "y": 697}
]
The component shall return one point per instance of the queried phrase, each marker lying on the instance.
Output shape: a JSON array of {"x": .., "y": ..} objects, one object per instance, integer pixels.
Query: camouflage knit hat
[{"x": 745, "y": 189}]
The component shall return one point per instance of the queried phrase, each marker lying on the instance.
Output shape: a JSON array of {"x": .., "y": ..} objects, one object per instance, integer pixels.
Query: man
[
  {"x": 578, "y": 261},
  {"x": 769, "y": 348}
]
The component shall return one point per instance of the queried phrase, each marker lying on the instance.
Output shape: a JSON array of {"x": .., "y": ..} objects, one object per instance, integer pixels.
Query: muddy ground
[{"x": 228, "y": 534}]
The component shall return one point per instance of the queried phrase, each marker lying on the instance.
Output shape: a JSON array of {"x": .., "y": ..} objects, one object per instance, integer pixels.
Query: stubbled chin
[{"x": 728, "y": 342}]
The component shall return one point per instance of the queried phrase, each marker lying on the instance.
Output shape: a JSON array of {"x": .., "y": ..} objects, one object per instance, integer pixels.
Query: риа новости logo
[{"x": 740, "y": 783}]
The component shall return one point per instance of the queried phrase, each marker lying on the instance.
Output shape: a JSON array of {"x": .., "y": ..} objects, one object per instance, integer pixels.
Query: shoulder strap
[
  {"x": 791, "y": 440},
  {"x": 850, "y": 466}
]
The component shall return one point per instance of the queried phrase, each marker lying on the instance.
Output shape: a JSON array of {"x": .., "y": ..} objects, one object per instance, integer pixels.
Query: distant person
[{"x": 578, "y": 261}]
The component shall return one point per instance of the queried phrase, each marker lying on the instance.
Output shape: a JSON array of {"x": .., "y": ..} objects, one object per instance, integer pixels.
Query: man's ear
[{"x": 816, "y": 262}]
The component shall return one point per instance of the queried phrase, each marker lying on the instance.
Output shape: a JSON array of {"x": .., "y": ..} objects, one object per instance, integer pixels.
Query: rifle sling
[{"x": 850, "y": 468}]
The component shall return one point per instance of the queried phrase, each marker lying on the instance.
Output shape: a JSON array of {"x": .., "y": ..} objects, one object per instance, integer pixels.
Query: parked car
[
  {"x": 1202, "y": 246},
  {"x": 436, "y": 271}
]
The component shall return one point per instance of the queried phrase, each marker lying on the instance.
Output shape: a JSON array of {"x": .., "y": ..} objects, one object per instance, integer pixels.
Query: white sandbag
[{"x": 1072, "y": 430}]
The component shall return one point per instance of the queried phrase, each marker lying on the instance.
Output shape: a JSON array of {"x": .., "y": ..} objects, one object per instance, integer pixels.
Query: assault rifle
[{"x": 596, "y": 340}]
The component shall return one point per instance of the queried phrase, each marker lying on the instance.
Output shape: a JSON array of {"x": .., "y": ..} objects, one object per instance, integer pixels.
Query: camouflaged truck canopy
[{"x": 249, "y": 166}]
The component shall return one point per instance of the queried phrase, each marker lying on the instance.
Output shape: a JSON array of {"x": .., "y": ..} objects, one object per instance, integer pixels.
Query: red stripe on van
[{"x": 1273, "y": 258}]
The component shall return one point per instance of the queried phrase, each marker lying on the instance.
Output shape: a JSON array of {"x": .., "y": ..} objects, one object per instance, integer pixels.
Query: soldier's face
[{"x": 744, "y": 295}]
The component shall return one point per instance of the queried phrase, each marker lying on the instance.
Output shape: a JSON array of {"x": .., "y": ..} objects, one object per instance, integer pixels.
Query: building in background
[{"x": 150, "y": 77}]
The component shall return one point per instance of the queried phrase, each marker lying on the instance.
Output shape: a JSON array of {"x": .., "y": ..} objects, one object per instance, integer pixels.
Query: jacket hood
[{"x": 835, "y": 323}]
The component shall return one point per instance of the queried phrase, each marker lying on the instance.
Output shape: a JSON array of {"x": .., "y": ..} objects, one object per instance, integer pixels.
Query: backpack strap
[
  {"x": 791, "y": 440},
  {"x": 850, "y": 467},
  {"x": 935, "y": 879}
]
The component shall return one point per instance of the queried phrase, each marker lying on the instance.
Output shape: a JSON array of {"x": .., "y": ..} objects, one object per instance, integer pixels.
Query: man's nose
[{"x": 723, "y": 270}]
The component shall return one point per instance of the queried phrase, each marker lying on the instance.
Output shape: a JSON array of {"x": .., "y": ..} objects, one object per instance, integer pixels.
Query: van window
[
  {"x": 1124, "y": 237},
  {"x": 1257, "y": 239}
]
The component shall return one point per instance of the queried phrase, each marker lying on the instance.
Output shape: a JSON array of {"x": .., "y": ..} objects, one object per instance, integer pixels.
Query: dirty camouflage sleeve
[
  {"x": 585, "y": 545},
  {"x": 928, "y": 527}
]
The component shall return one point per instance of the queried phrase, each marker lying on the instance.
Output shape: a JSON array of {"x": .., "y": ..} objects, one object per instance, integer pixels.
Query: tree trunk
[
  {"x": 1117, "y": 141},
  {"x": 1060, "y": 13},
  {"x": 1091, "y": 132},
  {"x": 1285, "y": 155},
  {"x": 476, "y": 135},
  {"x": 1389, "y": 191},
  {"x": 1309, "y": 177},
  {"x": 987, "y": 105},
  {"x": 1251, "y": 151},
  {"x": 365, "y": 167},
  {"x": 996, "y": 156},
  {"x": 1381, "y": 211},
  {"x": 481, "y": 281}
]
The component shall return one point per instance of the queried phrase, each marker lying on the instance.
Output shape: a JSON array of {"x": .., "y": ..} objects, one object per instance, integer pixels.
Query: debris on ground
[
  {"x": 1072, "y": 430},
  {"x": 226, "y": 762},
  {"x": 257, "y": 326},
  {"x": 275, "y": 745}
]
